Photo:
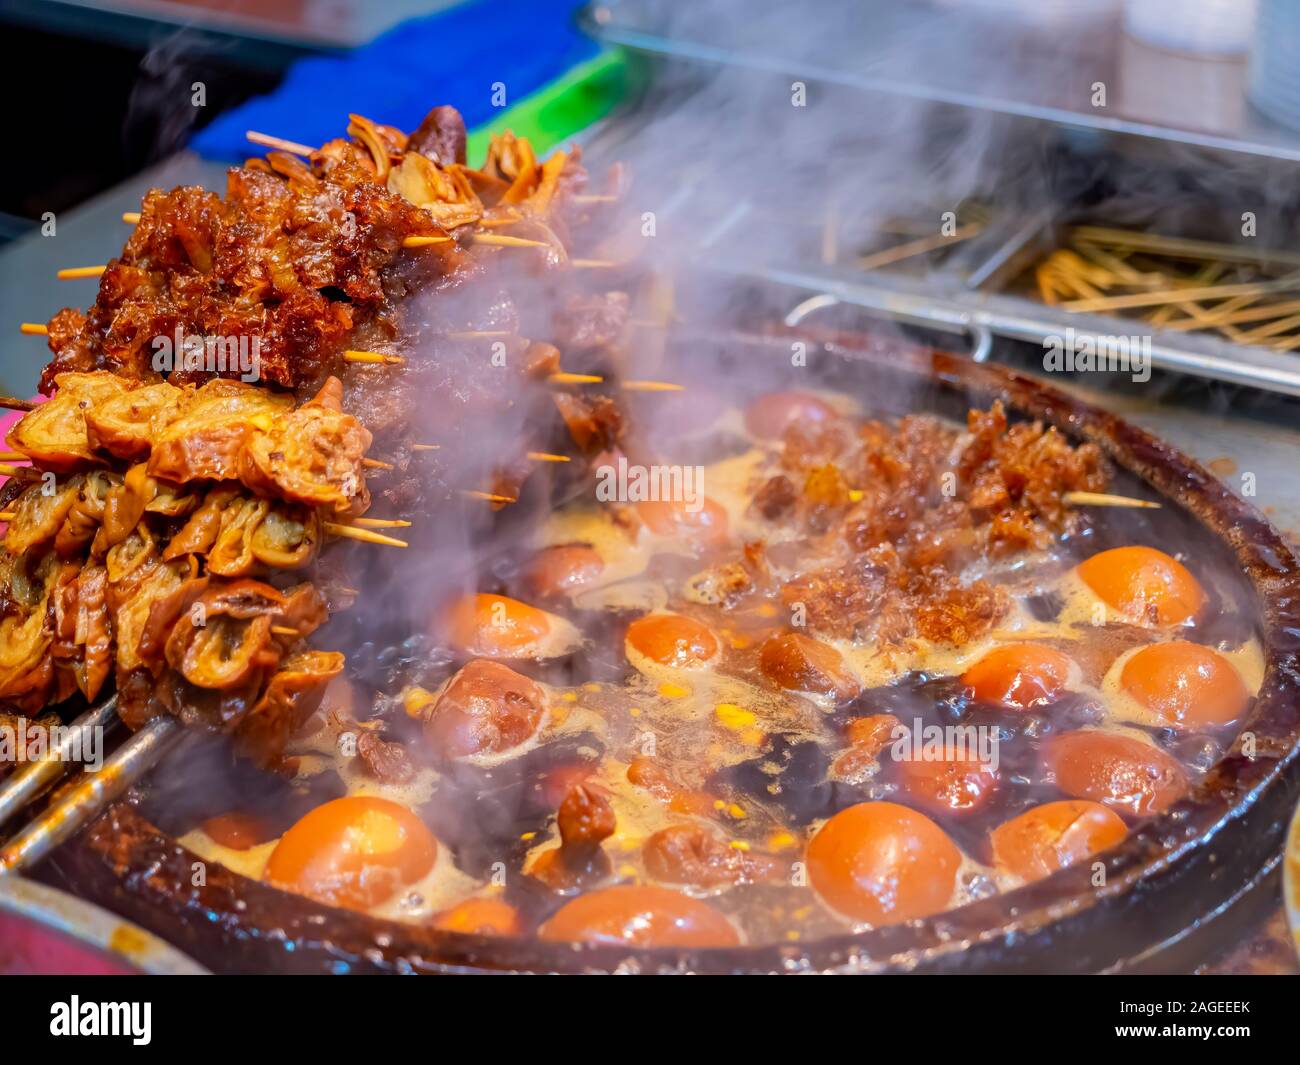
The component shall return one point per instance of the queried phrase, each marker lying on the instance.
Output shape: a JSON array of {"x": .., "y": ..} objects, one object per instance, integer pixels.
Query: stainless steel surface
[
  {"x": 930, "y": 303},
  {"x": 89, "y": 926},
  {"x": 1184, "y": 99},
  {"x": 91, "y": 795},
  {"x": 27, "y": 783}
]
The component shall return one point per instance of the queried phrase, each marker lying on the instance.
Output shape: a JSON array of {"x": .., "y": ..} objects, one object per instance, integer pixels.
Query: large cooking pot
[{"x": 1174, "y": 887}]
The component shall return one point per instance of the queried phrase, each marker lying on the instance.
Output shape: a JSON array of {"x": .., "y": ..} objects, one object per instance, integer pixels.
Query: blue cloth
[{"x": 452, "y": 57}]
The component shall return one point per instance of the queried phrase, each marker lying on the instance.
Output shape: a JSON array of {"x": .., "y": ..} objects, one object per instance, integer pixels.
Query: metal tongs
[{"x": 85, "y": 800}]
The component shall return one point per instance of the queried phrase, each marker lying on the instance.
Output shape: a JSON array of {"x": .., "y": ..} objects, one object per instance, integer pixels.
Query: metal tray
[{"x": 968, "y": 301}]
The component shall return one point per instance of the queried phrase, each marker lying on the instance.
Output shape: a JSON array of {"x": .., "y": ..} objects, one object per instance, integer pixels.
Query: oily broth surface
[{"x": 689, "y": 715}]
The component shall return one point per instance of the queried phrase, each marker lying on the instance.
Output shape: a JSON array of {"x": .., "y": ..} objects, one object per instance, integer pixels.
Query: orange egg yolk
[
  {"x": 957, "y": 783},
  {"x": 706, "y": 526},
  {"x": 883, "y": 863},
  {"x": 562, "y": 569},
  {"x": 355, "y": 852},
  {"x": 238, "y": 831},
  {"x": 1146, "y": 586},
  {"x": 496, "y": 626},
  {"x": 1040, "y": 841},
  {"x": 673, "y": 640},
  {"x": 1121, "y": 772},
  {"x": 769, "y": 416},
  {"x": 1019, "y": 675},
  {"x": 1186, "y": 685},
  {"x": 480, "y": 917},
  {"x": 640, "y": 916}
]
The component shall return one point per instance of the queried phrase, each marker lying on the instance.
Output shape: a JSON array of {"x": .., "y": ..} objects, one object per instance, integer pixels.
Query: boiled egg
[
  {"x": 883, "y": 863},
  {"x": 1145, "y": 586},
  {"x": 1021, "y": 675},
  {"x": 1042, "y": 840},
  {"x": 355, "y": 852},
  {"x": 496, "y": 626},
  {"x": 640, "y": 916}
]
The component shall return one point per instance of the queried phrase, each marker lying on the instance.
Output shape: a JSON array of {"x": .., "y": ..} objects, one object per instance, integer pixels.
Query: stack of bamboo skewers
[{"x": 1245, "y": 295}]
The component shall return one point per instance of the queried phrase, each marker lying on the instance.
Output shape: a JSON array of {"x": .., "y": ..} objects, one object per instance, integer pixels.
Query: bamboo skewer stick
[
  {"x": 34, "y": 329},
  {"x": 650, "y": 386},
  {"x": 364, "y": 535},
  {"x": 1290, "y": 283},
  {"x": 1273, "y": 329},
  {"x": 373, "y": 357},
  {"x": 424, "y": 242},
  {"x": 284, "y": 630},
  {"x": 131, "y": 218},
  {"x": 14, "y": 403},
  {"x": 1178, "y": 247},
  {"x": 380, "y": 523},
  {"x": 12, "y": 456},
  {"x": 1231, "y": 315},
  {"x": 1208, "y": 274},
  {"x": 1104, "y": 499},
  {"x": 17, "y": 471},
  {"x": 1114, "y": 264},
  {"x": 425, "y": 447},
  {"x": 546, "y": 456},
  {"x": 265, "y": 140},
  {"x": 8, "y": 515},
  {"x": 501, "y": 240},
  {"x": 490, "y": 497},
  {"x": 918, "y": 247},
  {"x": 562, "y": 378},
  {"x": 375, "y": 464},
  {"x": 76, "y": 273}
]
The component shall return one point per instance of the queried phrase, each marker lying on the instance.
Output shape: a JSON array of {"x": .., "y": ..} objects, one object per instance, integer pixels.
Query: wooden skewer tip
[
  {"x": 1105, "y": 499},
  {"x": 381, "y": 523},
  {"x": 76, "y": 273},
  {"x": 265, "y": 140},
  {"x": 351, "y": 532},
  {"x": 651, "y": 386},
  {"x": 378, "y": 357},
  {"x": 562, "y": 378}
]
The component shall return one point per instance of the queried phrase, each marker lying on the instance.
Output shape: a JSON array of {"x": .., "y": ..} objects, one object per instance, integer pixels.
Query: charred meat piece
[
  {"x": 440, "y": 136},
  {"x": 695, "y": 856},
  {"x": 591, "y": 321},
  {"x": 585, "y": 819},
  {"x": 596, "y": 425}
]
